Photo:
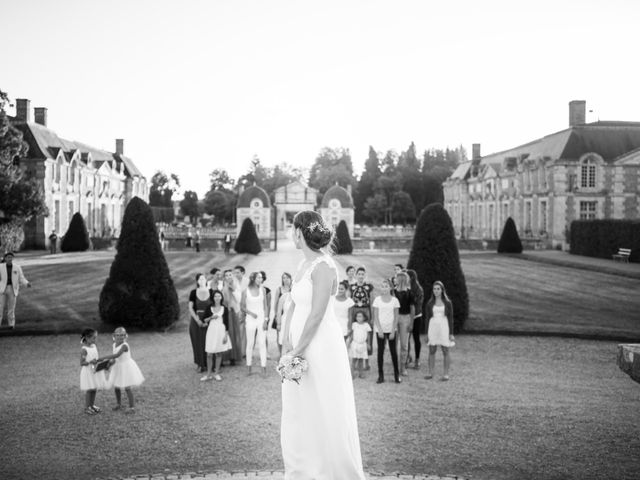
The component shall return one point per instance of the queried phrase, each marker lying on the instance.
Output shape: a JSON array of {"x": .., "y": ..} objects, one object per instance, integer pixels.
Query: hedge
[{"x": 603, "y": 238}]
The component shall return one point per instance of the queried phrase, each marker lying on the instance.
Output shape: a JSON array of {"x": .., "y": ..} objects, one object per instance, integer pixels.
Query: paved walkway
[{"x": 266, "y": 475}]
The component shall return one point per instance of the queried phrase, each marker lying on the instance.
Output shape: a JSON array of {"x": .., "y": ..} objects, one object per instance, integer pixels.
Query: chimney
[
  {"x": 119, "y": 146},
  {"x": 23, "y": 112},
  {"x": 475, "y": 151},
  {"x": 577, "y": 112},
  {"x": 40, "y": 114}
]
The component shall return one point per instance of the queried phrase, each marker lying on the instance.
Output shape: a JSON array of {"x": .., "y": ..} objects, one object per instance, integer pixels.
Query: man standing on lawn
[{"x": 11, "y": 277}]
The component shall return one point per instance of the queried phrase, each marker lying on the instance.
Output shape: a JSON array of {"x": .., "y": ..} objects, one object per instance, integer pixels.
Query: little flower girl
[
  {"x": 125, "y": 372},
  {"x": 361, "y": 330},
  {"x": 90, "y": 380}
]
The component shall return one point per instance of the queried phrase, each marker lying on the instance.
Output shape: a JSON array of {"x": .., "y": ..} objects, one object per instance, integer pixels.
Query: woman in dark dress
[{"x": 200, "y": 302}]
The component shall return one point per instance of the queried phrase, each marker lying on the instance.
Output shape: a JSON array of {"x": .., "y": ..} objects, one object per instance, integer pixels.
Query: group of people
[
  {"x": 230, "y": 315},
  {"x": 232, "y": 312},
  {"x": 393, "y": 314}
]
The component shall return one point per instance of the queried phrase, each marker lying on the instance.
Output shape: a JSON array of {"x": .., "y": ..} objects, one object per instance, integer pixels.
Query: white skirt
[
  {"x": 359, "y": 350},
  {"x": 215, "y": 335},
  {"x": 438, "y": 332},
  {"x": 125, "y": 373},
  {"x": 92, "y": 380}
]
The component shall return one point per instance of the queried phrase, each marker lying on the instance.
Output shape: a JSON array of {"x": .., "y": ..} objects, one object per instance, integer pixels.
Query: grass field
[
  {"x": 506, "y": 294},
  {"x": 516, "y": 407}
]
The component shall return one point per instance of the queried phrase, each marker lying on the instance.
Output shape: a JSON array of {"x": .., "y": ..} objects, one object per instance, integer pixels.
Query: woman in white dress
[
  {"x": 319, "y": 430},
  {"x": 439, "y": 312}
]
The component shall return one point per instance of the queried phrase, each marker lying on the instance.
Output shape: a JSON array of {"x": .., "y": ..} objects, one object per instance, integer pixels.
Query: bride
[{"x": 319, "y": 431}]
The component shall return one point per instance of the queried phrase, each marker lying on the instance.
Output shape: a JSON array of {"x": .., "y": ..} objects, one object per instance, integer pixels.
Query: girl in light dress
[
  {"x": 282, "y": 302},
  {"x": 256, "y": 312},
  {"x": 361, "y": 330},
  {"x": 342, "y": 307},
  {"x": 124, "y": 372},
  {"x": 90, "y": 380},
  {"x": 439, "y": 312},
  {"x": 217, "y": 335}
]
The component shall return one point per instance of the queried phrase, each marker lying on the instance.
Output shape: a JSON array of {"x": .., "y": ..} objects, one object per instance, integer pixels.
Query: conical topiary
[
  {"x": 434, "y": 256},
  {"x": 77, "y": 237},
  {"x": 139, "y": 291},
  {"x": 248, "y": 241},
  {"x": 509, "y": 240},
  {"x": 343, "y": 240}
]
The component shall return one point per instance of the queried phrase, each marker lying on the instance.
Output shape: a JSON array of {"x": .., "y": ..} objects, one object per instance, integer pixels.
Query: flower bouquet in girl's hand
[{"x": 292, "y": 368}]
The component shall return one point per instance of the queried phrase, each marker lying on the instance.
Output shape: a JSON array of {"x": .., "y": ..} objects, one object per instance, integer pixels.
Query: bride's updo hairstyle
[{"x": 315, "y": 231}]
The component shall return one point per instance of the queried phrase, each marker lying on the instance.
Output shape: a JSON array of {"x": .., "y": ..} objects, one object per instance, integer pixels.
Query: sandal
[
  {"x": 445, "y": 378},
  {"x": 217, "y": 377},
  {"x": 89, "y": 411},
  {"x": 117, "y": 407},
  {"x": 95, "y": 409},
  {"x": 130, "y": 410},
  {"x": 428, "y": 377}
]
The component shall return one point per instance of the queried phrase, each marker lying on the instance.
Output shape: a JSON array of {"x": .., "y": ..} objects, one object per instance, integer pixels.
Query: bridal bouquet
[{"x": 292, "y": 368}]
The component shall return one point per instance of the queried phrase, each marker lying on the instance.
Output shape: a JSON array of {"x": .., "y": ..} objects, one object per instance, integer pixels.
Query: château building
[
  {"x": 75, "y": 177},
  {"x": 588, "y": 171}
]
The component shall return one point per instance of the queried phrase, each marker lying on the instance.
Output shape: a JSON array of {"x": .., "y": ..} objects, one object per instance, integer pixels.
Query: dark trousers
[
  {"x": 197, "y": 246},
  {"x": 227, "y": 247},
  {"x": 417, "y": 328},
  {"x": 394, "y": 354}
]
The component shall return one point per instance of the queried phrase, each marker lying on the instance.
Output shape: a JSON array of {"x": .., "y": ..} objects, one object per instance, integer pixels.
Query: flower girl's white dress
[{"x": 319, "y": 428}]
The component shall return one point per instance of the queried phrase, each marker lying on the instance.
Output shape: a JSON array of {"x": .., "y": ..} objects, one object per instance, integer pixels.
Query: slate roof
[
  {"x": 249, "y": 193},
  {"x": 45, "y": 143},
  {"x": 608, "y": 139},
  {"x": 340, "y": 193}
]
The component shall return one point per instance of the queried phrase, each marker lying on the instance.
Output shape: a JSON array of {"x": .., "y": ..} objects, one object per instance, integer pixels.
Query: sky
[{"x": 194, "y": 85}]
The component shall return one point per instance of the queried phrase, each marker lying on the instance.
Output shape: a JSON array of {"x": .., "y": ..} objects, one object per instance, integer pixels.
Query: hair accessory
[{"x": 313, "y": 226}]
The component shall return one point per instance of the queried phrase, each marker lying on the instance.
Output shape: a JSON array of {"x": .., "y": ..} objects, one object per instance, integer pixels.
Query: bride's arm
[{"x": 322, "y": 279}]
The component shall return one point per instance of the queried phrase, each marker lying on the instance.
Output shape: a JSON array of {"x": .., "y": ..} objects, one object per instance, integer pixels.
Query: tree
[
  {"x": 367, "y": 183},
  {"x": 189, "y": 206},
  {"x": 509, "y": 240},
  {"x": 220, "y": 204},
  {"x": 77, "y": 237},
  {"x": 409, "y": 170},
  {"x": 331, "y": 166},
  {"x": 248, "y": 241},
  {"x": 257, "y": 173},
  {"x": 162, "y": 188},
  {"x": 387, "y": 185},
  {"x": 375, "y": 207},
  {"x": 220, "y": 180},
  {"x": 432, "y": 188},
  {"x": 343, "y": 240},
  {"x": 139, "y": 291},
  {"x": 402, "y": 207},
  {"x": 21, "y": 197},
  {"x": 434, "y": 256}
]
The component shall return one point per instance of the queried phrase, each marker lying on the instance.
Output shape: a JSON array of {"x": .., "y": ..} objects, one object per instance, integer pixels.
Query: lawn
[
  {"x": 506, "y": 294},
  {"x": 516, "y": 407}
]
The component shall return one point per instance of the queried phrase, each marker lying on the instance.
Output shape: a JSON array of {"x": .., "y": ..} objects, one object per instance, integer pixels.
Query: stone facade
[
  {"x": 75, "y": 177},
  {"x": 337, "y": 205},
  {"x": 585, "y": 172},
  {"x": 291, "y": 199},
  {"x": 254, "y": 203}
]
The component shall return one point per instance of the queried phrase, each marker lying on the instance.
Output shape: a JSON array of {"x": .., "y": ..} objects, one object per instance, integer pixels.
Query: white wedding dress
[{"x": 319, "y": 432}]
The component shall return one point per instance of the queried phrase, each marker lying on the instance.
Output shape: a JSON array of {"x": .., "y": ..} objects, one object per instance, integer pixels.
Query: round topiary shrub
[
  {"x": 248, "y": 241},
  {"x": 139, "y": 291},
  {"x": 509, "y": 240},
  {"x": 434, "y": 256},
  {"x": 343, "y": 240},
  {"x": 77, "y": 237}
]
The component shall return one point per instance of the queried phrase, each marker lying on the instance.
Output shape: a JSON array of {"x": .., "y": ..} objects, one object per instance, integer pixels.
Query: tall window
[
  {"x": 588, "y": 174},
  {"x": 543, "y": 216},
  {"x": 527, "y": 213},
  {"x": 588, "y": 210},
  {"x": 56, "y": 215}
]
